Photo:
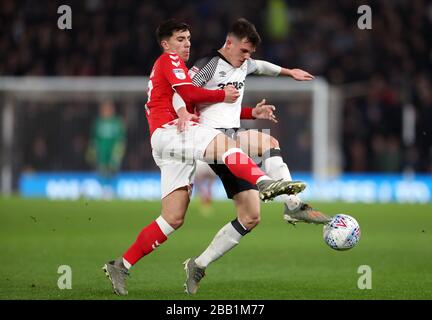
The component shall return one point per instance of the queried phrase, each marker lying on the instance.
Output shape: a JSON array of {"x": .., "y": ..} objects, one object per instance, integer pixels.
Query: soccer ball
[{"x": 342, "y": 232}]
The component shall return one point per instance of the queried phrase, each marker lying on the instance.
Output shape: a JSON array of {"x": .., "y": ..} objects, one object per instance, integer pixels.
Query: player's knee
[
  {"x": 174, "y": 221},
  {"x": 230, "y": 143},
  {"x": 250, "y": 221}
]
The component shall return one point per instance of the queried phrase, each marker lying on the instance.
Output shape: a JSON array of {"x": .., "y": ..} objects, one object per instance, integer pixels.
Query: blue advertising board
[{"x": 134, "y": 186}]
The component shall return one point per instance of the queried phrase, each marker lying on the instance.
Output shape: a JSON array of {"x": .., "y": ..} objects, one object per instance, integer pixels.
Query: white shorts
[
  {"x": 204, "y": 170},
  {"x": 176, "y": 154}
]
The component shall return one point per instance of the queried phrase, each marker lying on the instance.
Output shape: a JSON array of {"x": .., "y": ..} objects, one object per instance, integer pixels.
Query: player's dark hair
[
  {"x": 244, "y": 29},
  {"x": 168, "y": 27}
]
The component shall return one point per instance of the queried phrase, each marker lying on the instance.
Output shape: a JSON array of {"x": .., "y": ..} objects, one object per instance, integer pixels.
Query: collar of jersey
[{"x": 220, "y": 55}]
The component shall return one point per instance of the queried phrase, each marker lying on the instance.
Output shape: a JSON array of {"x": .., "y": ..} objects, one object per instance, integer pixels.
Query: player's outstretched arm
[
  {"x": 269, "y": 69},
  {"x": 297, "y": 74}
]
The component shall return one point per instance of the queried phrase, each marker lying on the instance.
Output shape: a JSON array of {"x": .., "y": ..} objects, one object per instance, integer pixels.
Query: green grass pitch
[{"x": 275, "y": 261}]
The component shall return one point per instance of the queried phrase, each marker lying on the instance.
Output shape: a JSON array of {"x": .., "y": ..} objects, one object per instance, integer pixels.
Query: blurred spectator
[
  {"x": 107, "y": 141},
  {"x": 39, "y": 149},
  {"x": 392, "y": 61}
]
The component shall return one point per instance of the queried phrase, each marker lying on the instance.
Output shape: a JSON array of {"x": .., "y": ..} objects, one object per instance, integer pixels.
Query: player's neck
[{"x": 224, "y": 53}]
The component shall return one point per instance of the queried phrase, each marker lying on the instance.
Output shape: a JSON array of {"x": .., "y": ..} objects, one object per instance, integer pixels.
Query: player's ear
[
  {"x": 164, "y": 44},
  {"x": 228, "y": 42}
]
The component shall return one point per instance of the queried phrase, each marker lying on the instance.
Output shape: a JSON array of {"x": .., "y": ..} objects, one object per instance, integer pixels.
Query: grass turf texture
[{"x": 275, "y": 261}]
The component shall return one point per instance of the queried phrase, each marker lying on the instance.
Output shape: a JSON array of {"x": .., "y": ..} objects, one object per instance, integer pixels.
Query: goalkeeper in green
[{"x": 107, "y": 141}]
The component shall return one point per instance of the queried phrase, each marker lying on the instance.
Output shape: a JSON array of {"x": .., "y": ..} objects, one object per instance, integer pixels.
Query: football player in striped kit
[{"x": 229, "y": 66}]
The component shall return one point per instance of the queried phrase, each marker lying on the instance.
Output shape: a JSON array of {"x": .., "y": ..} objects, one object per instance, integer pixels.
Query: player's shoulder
[
  {"x": 170, "y": 58},
  {"x": 204, "y": 60},
  {"x": 169, "y": 55}
]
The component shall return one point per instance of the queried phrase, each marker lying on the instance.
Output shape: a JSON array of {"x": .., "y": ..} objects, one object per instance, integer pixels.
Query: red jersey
[{"x": 168, "y": 71}]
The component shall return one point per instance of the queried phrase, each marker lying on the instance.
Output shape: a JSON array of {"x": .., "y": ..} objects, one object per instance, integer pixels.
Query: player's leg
[
  {"x": 174, "y": 208},
  {"x": 248, "y": 216},
  {"x": 200, "y": 142},
  {"x": 229, "y": 236},
  {"x": 247, "y": 203},
  {"x": 176, "y": 180},
  {"x": 224, "y": 149},
  {"x": 266, "y": 146}
]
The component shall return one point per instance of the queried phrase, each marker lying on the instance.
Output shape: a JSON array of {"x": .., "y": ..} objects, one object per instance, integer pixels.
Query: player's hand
[
  {"x": 301, "y": 75},
  {"x": 183, "y": 118},
  {"x": 264, "y": 111},
  {"x": 231, "y": 94}
]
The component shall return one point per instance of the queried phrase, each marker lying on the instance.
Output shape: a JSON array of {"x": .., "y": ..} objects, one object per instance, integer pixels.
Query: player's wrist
[
  {"x": 248, "y": 113},
  {"x": 182, "y": 111},
  {"x": 287, "y": 72},
  {"x": 222, "y": 94}
]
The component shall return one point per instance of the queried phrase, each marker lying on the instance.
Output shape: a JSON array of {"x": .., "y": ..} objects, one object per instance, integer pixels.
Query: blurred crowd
[{"x": 390, "y": 65}]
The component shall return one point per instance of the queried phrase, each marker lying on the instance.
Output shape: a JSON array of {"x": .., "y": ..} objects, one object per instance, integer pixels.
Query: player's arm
[
  {"x": 261, "y": 111},
  {"x": 297, "y": 74},
  {"x": 176, "y": 73},
  {"x": 184, "y": 116},
  {"x": 194, "y": 94},
  {"x": 269, "y": 69}
]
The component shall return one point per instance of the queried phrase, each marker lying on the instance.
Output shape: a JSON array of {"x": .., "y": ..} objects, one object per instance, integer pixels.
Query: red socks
[
  {"x": 152, "y": 235},
  {"x": 148, "y": 239},
  {"x": 242, "y": 166}
]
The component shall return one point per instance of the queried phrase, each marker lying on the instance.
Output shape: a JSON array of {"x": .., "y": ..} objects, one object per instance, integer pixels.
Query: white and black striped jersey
[{"x": 215, "y": 72}]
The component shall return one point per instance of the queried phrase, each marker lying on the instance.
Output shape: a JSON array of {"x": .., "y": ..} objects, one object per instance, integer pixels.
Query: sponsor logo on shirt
[
  {"x": 237, "y": 84},
  {"x": 179, "y": 73}
]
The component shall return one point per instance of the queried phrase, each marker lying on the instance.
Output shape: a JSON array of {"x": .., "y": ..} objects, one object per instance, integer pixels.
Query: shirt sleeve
[
  {"x": 174, "y": 69},
  {"x": 263, "y": 67},
  {"x": 246, "y": 113},
  {"x": 203, "y": 70}
]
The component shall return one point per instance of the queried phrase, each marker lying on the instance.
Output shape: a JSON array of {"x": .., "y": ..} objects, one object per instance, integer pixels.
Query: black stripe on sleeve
[{"x": 205, "y": 73}]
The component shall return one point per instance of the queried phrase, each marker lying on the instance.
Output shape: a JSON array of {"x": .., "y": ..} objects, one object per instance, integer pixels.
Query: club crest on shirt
[{"x": 179, "y": 73}]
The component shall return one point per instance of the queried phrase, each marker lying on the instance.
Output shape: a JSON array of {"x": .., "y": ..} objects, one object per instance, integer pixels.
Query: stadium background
[
  {"x": 381, "y": 73},
  {"x": 391, "y": 64}
]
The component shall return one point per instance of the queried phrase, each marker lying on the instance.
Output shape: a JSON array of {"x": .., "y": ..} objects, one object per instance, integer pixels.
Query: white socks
[
  {"x": 164, "y": 226},
  {"x": 226, "y": 239},
  {"x": 276, "y": 168},
  {"x": 126, "y": 264},
  {"x": 274, "y": 165}
]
